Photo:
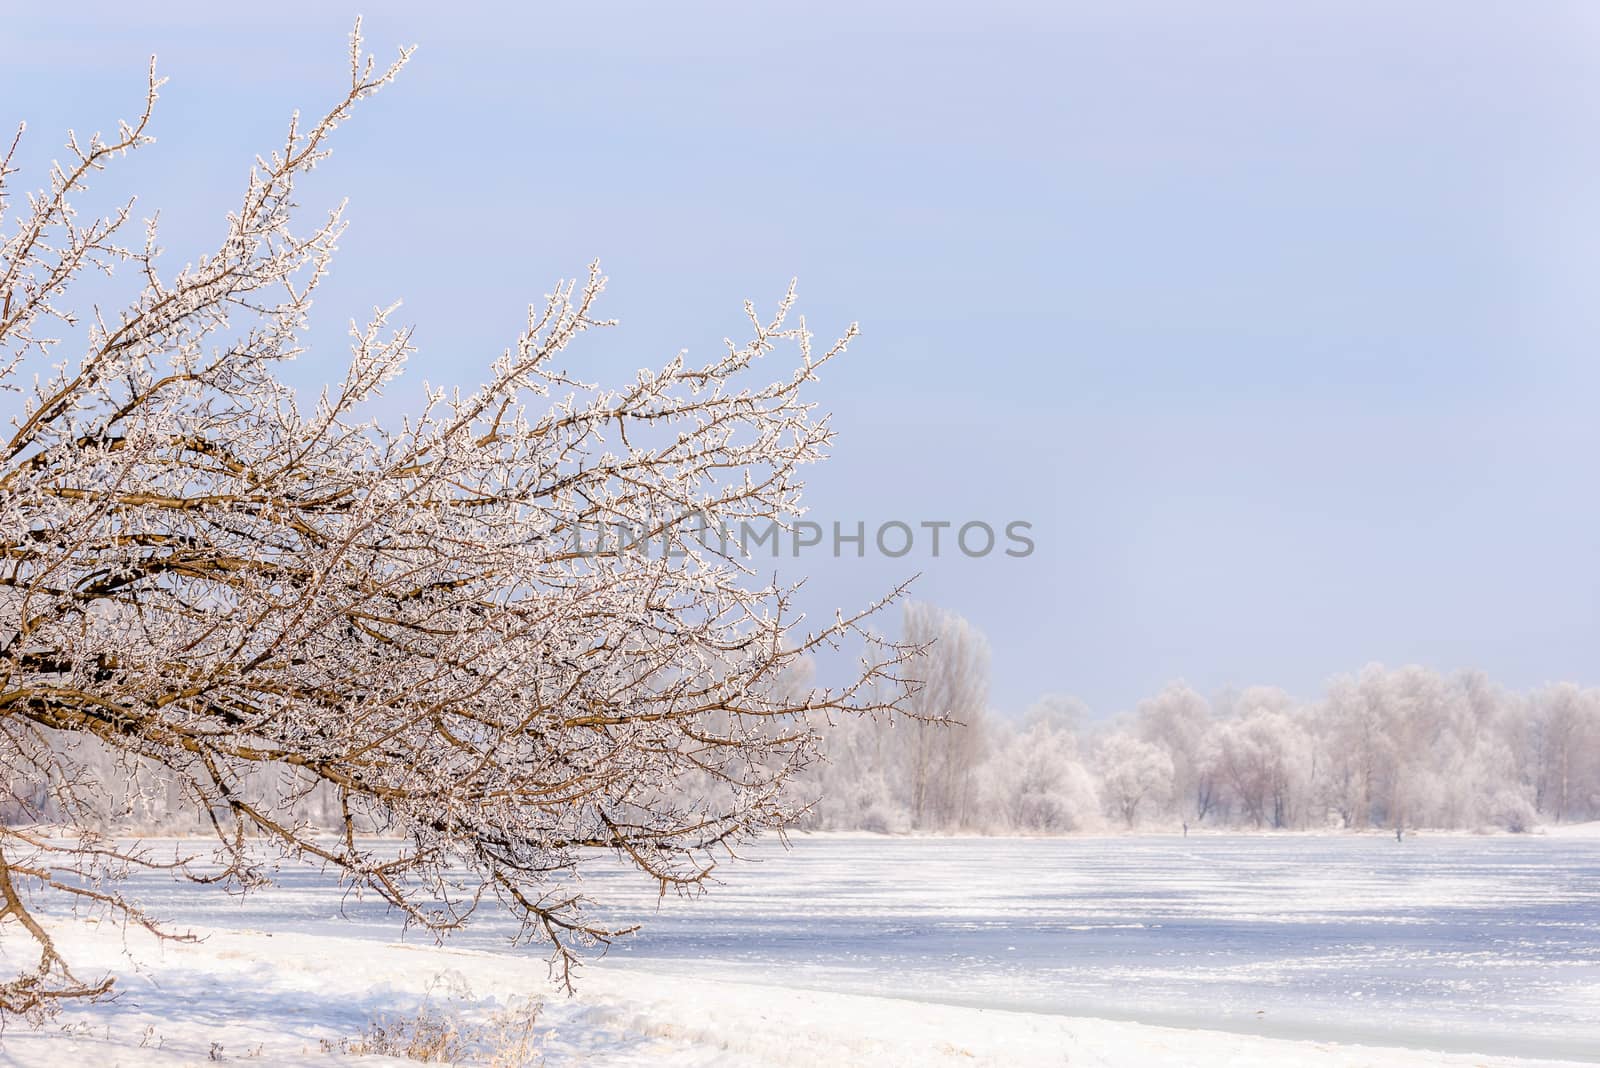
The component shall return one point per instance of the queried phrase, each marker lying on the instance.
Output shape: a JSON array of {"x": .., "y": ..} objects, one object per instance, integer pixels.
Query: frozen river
[
  {"x": 1483, "y": 944},
  {"x": 1448, "y": 942}
]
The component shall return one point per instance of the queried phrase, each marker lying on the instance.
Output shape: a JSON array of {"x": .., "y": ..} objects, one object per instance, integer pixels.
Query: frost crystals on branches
[{"x": 281, "y": 605}]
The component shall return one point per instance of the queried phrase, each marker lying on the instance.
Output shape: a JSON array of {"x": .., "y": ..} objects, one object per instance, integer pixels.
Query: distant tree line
[{"x": 1381, "y": 748}]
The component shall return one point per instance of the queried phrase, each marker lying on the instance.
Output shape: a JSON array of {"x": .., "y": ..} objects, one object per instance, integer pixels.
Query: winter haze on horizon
[{"x": 1278, "y": 326}]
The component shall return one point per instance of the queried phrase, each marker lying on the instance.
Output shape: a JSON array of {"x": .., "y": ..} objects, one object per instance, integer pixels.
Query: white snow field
[{"x": 1211, "y": 950}]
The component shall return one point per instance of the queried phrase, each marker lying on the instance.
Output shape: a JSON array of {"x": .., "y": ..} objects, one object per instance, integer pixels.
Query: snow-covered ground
[{"x": 1265, "y": 950}]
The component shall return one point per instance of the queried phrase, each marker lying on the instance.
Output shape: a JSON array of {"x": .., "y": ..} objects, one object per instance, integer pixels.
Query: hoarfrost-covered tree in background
[
  {"x": 1178, "y": 720},
  {"x": 1564, "y": 730},
  {"x": 278, "y": 605},
  {"x": 1361, "y": 751},
  {"x": 1262, "y": 757},
  {"x": 952, "y": 672},
  {"x": 930, "y": 768},
  {"x": 1041, "y": 782},
  {"x": 1136, "y": 774}
]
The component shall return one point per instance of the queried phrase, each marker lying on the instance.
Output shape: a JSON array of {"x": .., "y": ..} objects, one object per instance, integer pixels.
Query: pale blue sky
[{"x": 1278, "y": 321}]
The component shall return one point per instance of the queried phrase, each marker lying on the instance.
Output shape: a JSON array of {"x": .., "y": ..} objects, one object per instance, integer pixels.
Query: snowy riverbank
[
  {"x": 851, "y": 950},
  {"x": 276, "y": 997}
]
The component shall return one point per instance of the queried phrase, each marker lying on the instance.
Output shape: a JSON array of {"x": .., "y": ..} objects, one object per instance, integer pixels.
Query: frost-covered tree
[
  {"x": 1360, "y": 751},
  {"x": 929, "y": 768},
  {"x": 1407, "y": 748},
  {"x": 1178, "y": 720},
  {"x": 1262, "y": 756},
  {"x": 1038, "y": 783},
  {"x": 945, "y": 737},
  {"x": 857, "y": 784},
  {"x": 208, "y": 576},
  {"x": 1134, "y": 773},
  {"x": 1564, "y": 735}
]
